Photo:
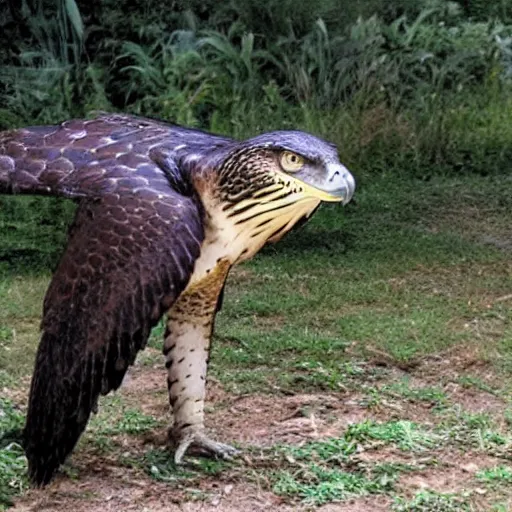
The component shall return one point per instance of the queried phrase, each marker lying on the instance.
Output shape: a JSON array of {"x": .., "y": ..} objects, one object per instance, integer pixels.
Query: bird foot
[{"x": 200, "y": 444}]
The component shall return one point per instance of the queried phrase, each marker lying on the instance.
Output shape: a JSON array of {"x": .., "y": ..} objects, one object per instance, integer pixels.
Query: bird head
[
  {"x": 285, "y": 166},
  {"x": 265, "y": 185}
]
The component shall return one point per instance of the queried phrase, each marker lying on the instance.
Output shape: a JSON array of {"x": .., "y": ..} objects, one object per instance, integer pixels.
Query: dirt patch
[
  {"x": 373, "y": 504},
  {"x": 258, "y": 420},
  {"x": 104, "y": 484},
  {"x": 475, "y": 401},
  {"x": 453, "y": 473},
  {"x": 453, "y": 364},
  {"x": 104, "y": 493},
  {"x": 266, "y": 420},
  {"x": 390, "y": 455}
]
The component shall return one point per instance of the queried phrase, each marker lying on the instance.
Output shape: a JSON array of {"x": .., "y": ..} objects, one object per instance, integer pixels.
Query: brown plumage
[{"x": 152, "y": 208}]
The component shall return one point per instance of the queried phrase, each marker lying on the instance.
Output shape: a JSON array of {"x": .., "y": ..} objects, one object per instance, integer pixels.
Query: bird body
[{"x": 163, "y": 213}]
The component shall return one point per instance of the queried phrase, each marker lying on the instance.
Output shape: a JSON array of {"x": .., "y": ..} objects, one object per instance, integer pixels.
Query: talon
[
  {"x": 205, "y": 446},
  {"x": 180, "y": 451}
]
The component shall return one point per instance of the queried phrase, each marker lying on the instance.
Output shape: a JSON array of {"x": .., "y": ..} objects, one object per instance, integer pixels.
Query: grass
[
  {"x": 496, "y": 475},
  {"x": 324, "y": 471},
  {"x": 13, "y": 464},
  {"x": 157, "y": 464},
  {"x": 394, "y": 308},
  {"x": 427, "y": 501}
]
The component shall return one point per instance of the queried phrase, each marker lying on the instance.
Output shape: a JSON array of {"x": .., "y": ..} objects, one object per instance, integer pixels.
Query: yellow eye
[{"x": 291, "y": 162}]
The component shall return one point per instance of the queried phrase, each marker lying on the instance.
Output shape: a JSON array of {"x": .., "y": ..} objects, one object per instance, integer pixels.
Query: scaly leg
[{"x": 186, "y": 347}]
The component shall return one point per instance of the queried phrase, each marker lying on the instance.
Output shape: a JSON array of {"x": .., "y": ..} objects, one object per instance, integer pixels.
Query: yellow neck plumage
[{"x": 272, "y": 211}]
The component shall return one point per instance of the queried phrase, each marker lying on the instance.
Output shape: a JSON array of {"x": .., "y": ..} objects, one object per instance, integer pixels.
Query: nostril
[{"x": 336, "y": 174}]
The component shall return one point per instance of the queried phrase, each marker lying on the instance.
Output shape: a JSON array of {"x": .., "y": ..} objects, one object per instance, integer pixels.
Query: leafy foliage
[{"x": 393, "y": 84}]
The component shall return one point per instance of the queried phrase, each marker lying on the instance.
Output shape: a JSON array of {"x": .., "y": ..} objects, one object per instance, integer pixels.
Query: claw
[{"x": 204, "y": 445}]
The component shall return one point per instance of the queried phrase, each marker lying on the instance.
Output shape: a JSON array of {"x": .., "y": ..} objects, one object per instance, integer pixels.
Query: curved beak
[{"x": 340, "y": 184}]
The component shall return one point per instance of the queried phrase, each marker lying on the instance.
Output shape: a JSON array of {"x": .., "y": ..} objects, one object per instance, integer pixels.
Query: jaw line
[{"x": 310, "y": 192}]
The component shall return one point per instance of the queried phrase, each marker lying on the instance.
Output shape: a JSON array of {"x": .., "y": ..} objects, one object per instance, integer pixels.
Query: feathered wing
[
  {"x": 131, "y": 251},
  {"x": 83, "y": 158},
  {"x": 127, "y": 260}
]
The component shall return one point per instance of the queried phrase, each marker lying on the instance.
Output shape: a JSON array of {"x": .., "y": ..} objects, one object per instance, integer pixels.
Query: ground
[{"x": 362, "y": 364}]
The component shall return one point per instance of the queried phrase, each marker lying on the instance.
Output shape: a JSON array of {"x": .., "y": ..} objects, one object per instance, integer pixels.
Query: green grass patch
[
  {"x": 13, "y": 464},
  {"x": 495, "y": 476},
  {"x": 318, "y": 485},
  {"x": 116, "y": 418},
  {"x": 429, "y": 501},
  {"x": 477, "y": 431},
  {"x": 406, "y": 435},
  {"x": 469, "y": 381},
  {"x": 158, "y": 464},
  {"x": 319, "y": 472},
  {"x": 429, "y": 394},
  {"x": 324, "y": 471}
]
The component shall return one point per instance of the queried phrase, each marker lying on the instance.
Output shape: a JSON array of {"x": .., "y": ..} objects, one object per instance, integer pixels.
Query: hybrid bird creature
[{"x": 163, "y": 213}]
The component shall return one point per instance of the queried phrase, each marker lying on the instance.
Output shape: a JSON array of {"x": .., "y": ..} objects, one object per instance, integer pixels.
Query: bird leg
[{"x": 186, "y": 348}]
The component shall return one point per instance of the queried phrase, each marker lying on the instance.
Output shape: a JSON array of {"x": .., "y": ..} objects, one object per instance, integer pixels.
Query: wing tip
[
  {"x": 40, "y": 475},
  {"x": 43, "y": 462}
]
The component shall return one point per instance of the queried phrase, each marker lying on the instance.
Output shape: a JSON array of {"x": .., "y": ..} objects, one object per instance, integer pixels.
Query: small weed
[
  {"x": 432, "y": 395},
  {"x": 11, "y": 422},
  {"x": 501, "y": 507},
  {"x": 13, "y": 464},
  {"x": 404, "y": 434},
  {"x": 496, "y": 475},
  {"x": 156, "y": 338},
  {"x": 372, "y": 398},
  {"x": 391, "y": 468},
  {"x": 133, "y": 422},
  {"x": 428, "y": 501},
  {"x": 317, "y": 485},
  {"x": 6, "y": 335},
  {"x": 334, "y": 449},
  {"x": 319, "y": 472},
  {"x": 159, "y": 464},
  {"x": 467, "y": 381},
  {"x": 474, "y": 430},
  {"x": 6, "y": 379},
  {"x": 115, "y": 418}
]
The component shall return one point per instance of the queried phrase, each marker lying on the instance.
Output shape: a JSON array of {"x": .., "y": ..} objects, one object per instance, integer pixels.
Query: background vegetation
[{"x": 405, "y": 85}]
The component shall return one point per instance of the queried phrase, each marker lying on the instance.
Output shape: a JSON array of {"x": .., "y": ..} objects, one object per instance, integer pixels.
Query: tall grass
[{"x": 426, "y": 91}]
